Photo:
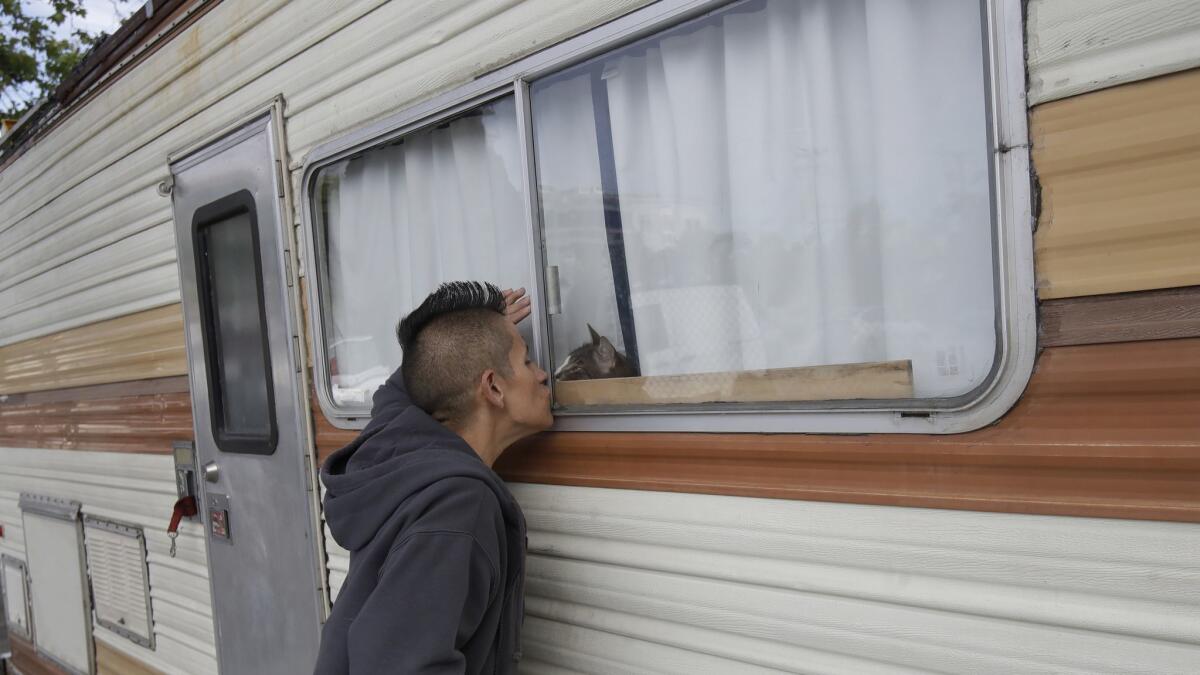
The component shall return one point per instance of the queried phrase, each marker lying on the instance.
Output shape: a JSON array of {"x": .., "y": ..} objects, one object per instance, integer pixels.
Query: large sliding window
[
  {"x": 773, "y": 206},
  {"x": 777, "y": 186}
]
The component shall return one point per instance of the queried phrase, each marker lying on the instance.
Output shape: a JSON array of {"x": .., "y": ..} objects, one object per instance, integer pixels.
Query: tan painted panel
[
  {"x": 134, "y": 347},
  {"x": 109, "y": 661},
  {"x": 1120, "y": 176}
]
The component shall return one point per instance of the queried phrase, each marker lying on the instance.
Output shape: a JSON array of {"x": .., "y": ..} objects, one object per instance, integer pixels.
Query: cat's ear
[
  {"x": 606, "y": 354},
  {"x": 596, "y": 338}
]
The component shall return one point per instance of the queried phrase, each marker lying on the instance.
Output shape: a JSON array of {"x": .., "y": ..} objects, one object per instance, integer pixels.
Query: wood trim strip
[
  {"x": 26, "y": 660},
  {"x": 145, "y": 423},
  {"x": 144, "y": 345},
  {"x": 889, "y": 379},
  {"x": 1123, "y": 317},
  {"x": 1118, "y": 170}
]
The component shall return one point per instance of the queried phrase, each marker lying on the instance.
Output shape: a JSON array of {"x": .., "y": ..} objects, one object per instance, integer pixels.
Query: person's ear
[{"x": 490, "y": 386}]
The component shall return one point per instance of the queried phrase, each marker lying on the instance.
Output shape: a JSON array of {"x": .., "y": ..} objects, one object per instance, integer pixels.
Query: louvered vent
[{"x": 116, "y": 559}]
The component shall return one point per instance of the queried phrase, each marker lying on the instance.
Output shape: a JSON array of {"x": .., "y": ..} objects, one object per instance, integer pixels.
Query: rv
[{"x": 885, "y": 320}]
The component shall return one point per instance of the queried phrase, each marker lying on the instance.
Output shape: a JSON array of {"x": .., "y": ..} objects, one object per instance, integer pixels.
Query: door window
[{"x": 235, "y": 333}]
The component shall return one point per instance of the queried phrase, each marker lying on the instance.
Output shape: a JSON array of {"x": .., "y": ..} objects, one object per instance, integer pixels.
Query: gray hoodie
[{"x": 437, "y": 550}]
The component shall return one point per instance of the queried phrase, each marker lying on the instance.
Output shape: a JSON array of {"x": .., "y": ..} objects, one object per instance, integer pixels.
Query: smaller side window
[
  {"x": 444, "y": 202},
  {"x": 235, "y": 325}
]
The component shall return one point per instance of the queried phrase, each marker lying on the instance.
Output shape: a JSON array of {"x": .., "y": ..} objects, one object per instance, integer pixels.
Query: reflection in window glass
[
  {"x": 440, "y": 204},
  {"x": 775, "y": 186}
]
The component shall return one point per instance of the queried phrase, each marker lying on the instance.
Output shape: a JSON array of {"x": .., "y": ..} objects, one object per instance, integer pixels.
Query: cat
[{"x": 596, "y": 360}]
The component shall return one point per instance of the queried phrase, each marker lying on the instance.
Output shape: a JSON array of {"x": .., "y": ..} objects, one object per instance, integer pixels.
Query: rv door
[{"x": 257, "y": 502}]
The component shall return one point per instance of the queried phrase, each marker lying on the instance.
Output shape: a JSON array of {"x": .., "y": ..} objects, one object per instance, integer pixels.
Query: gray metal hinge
[
  {"x": 280, "y": 176},
  {"x": 287, "y": 267},
  {"x": 296, "y": 351}
]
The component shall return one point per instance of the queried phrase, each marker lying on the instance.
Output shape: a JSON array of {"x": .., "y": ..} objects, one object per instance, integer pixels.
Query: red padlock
[{"x": 184, "y": 506}]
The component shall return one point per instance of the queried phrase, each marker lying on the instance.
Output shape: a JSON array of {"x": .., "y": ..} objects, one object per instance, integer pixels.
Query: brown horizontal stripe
[
  {"x": 1120, "y": 177},
  {"x": 146, "y": 423},
  {"x": 137, "y": 346},
  {"x": 1102, "y": 430},
  {"x": 27, "y": 661},
  {"x": 161, "y": 385},
  {"x": 1123, "y": 317}
]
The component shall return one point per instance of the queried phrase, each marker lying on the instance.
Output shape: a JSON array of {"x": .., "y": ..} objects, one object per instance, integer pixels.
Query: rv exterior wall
[{"x": 651, "y": 579}]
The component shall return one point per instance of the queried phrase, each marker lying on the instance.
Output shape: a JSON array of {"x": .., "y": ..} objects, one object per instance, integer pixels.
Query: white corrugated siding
[
  {"x": 1076, "y": 46},
  {"x": 626, "y": 581},
  {"x": 83, "y": 234},
  {"x": 139, "y": 490}
]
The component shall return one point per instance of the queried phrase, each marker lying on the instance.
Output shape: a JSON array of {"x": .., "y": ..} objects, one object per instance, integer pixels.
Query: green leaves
[{"x": 33, "y": 57}]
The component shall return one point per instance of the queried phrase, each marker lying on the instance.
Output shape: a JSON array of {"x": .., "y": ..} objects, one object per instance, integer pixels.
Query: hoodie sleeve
[{"x": 433, "y": 593}]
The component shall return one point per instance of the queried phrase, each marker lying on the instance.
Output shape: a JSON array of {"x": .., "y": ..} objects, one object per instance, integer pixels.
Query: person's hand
[{"x": 517, "y": 305}]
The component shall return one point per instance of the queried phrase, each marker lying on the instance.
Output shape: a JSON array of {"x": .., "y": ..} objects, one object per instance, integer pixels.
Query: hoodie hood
[{"x": 401, "y": 452}]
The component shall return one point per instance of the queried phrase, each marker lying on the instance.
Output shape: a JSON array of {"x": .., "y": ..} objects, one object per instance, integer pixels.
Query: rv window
[
  {"x": 442, "y": 203},
  {"x": 776, "y": 202},
  {"x": 235, "y": 336}
]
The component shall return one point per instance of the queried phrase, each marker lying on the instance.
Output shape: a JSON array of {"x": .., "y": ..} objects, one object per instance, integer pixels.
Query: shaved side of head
[{"x": 456, "y": 334}]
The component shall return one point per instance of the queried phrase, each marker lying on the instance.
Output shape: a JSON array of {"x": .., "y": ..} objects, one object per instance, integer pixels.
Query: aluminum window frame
[{"x": 1012, "y": 237}]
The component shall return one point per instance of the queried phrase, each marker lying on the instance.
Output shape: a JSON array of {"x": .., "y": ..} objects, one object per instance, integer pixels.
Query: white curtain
[
  {"x": 444, "y": 204},
  {"x": 801, "y": 182}
]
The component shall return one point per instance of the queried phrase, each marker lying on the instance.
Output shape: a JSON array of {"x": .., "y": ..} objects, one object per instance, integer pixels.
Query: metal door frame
[{"x": 210, "y": 144}]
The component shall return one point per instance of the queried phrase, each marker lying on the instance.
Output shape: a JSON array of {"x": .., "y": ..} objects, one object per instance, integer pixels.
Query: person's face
[{"x": 527, "y": 396}]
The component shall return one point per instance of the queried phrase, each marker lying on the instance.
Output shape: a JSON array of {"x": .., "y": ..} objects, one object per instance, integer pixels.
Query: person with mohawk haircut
[{"x": 436, "y": 541}]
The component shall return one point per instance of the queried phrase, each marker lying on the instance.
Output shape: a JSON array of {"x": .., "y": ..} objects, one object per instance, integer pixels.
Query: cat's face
[{"x": 594, "y": 361}]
